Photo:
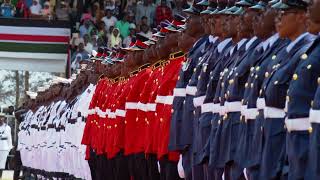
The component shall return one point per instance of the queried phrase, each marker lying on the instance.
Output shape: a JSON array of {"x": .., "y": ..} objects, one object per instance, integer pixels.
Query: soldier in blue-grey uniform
[
  {"x": 252, "y": 134},
  {"x": 231, "y": 94},
  {"x": 301, "y": 92},
  {"x": 189, "y": 109},
  {"x": 314, "y": 152},
  {"x": 218, "y": 140},
  {"x": 205, "y": 91},
  {"x": 179, "y": 138},
  {"x": 292, "y": 26}
]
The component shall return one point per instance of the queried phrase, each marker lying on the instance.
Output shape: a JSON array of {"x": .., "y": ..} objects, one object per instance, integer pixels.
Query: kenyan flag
[{"x": 36, "y": 40}]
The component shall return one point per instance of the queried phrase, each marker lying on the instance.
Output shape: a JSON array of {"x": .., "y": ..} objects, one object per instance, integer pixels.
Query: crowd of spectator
[{"x": 110, "y": 23}]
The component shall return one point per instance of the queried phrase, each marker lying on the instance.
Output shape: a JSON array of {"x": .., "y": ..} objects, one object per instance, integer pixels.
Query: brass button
[
  {"x": 309, "y": 66},
  {"x": 251, "y": 85},
  {"x": 275, "y": 83},
  {"x": 231, "y": 81},
  {"x": 115, "y": 125},
  {"x": 319, "y": 80},
  {"x": 204, "y": 68},
  {"x": 219, "y": 122},
  {"x": 256, "y": 76},
  {"x": 246, "y": 85},
  {"x": 310, "y": 130},
  {"x": 274, "y": 57},
  {"x": 251, "y": 69},
  {"x": 266, "y": 74},
  {"x": 194, "y": 69},
  {"x": 222, "y": 84},
  {"x": 225, "y": 117},
  {"x": 304, "y": 56},
  {"x": 258, "y": 68},
  {"x": 172, "y": 110},
  {"x": 161, "y": 119},
  {"x": 137, "y": 119},
  {"x": 295, "y": 77}
]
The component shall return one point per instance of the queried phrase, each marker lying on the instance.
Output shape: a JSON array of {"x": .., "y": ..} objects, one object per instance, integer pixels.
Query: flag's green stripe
[{"x": 36, "y": 48}]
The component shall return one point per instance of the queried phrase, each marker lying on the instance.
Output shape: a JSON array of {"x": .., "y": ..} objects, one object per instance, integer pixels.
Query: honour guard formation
[{"x": 229, "y": 91}]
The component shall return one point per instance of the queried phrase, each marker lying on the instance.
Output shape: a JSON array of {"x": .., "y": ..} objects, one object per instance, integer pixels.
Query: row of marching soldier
[
  {"x": 242, "y": 103},
  {"x": 245, "y": 106}
]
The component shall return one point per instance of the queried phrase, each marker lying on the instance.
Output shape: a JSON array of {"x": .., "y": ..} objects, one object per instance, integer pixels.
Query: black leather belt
[
  {"x": 43, "y": 128},
  {"x": 72, "y": 121},
  {"x": 34, "y": 126},
  {"x": 51, "y": 126},
  {"x": 4, "y": 138}
]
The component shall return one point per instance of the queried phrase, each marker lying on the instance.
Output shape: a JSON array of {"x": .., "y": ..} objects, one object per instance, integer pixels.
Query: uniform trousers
[
  {"x": 17, "y": 165},
  {"x": 297, "y": 150},
  {"x": 152, "y": 164},
  {"x": 314, "y": 152},
  {"x": 138, "y": 166},
  {"x": 3, "y": 158},
  {"x": 121, "y": 170},
  {"x": 255, "y": 152},
  {"x": 274, "y": 149},
  {"x": 191, "y": 171},
  {"x": 168, "y": 169},
  {"x": 93, "y": 164}
]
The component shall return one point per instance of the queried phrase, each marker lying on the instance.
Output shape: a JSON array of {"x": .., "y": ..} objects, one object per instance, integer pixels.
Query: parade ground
[{"x": 7, "y": 175}]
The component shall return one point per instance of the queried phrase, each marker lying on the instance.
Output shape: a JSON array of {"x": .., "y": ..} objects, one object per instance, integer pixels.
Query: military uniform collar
[
  {"x": 241, "y": 42},
  {"x": 250, "y": 42},
  {"x": 238, "y": 45},
  {"x": 293, "y": 43},
  {"x": 232, "y": 49},
  {"x": 223, "y": 44},
  {"x": 273, "y": 39},
  {"x": 213, "y": 39}
]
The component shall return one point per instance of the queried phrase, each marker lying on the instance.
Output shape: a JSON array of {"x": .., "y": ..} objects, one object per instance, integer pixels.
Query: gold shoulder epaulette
[
  {"x": 176, "y": 55},
  {"x": 156, "y": 64}
]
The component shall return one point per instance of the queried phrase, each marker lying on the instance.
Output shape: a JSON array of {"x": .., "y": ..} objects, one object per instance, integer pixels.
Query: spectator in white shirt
[
  {"x": 145, "y": 31},
  {"x": 35, "y": 8},
  {"x": 128, "y": 39},
  {"x": 87, "y": 44},
  {"x": 109, "y": 20}
]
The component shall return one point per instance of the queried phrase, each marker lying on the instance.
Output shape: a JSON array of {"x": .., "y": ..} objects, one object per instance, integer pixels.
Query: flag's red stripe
[{"x": 37, "y": 38}]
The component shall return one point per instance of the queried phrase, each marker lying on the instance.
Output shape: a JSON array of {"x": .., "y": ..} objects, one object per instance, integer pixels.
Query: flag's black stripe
[{"x": 34, "y": 23}]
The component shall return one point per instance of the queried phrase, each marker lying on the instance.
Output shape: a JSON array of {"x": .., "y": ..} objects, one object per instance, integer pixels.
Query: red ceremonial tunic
[{"x": 164, "y": 106}]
